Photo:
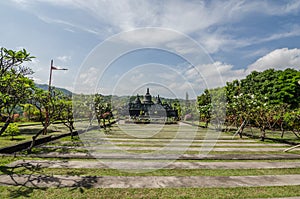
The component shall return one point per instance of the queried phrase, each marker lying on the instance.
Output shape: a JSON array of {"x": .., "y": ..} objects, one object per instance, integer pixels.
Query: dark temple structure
[{"x": 149, "y": 110}]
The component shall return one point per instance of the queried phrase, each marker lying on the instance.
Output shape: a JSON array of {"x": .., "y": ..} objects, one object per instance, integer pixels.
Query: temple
[{"x": 149, "y": 110}]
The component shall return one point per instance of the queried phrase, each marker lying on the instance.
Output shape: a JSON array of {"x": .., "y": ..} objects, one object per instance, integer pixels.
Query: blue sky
[{"x": 236, "y": 37}]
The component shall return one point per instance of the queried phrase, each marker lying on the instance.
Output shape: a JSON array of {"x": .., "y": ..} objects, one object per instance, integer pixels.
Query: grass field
[
  {"x": 220, "y": 193},
  {"x": 151, "y": 137}
]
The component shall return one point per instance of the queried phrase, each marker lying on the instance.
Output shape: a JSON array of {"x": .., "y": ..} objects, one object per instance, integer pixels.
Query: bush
[{"x": 12, "y": 130}]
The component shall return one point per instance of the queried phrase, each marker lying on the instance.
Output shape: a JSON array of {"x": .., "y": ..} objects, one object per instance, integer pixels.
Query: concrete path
[
  {"x": 137, "y": 164},
  {"x": 149, "y": 181},
  {"x": 161, "y": 144},
  {"x": 146, "y": 156},
  {"x": 167, "y": 140},
  {"x": 113, "y": 148}
]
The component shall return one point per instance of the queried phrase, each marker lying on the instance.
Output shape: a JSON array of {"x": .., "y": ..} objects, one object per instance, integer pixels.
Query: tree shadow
[{"x": 29, "y": 177}]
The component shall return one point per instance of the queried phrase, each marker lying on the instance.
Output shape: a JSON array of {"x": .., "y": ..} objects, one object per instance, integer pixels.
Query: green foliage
[
  {"x": 12, "y": 130},
  {"x": 268, "y": 99},
  {"x": 102, "y": 109},
  {"x": 15, "y": 88},
  {"x": 274, "y": 87}
]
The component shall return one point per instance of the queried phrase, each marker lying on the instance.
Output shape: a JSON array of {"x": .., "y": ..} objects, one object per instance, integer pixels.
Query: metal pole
[{"x": 49, "y": 97}]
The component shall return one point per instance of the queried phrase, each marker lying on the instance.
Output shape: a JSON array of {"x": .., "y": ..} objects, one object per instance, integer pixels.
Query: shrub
[{"x": 12, "y": 130}]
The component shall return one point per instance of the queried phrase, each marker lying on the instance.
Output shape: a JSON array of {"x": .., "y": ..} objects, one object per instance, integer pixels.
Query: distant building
[{"x": 147, "y": 109}]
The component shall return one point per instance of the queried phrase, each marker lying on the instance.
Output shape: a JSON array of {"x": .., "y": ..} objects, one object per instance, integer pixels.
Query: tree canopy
[{"x": 268, "y": 99}]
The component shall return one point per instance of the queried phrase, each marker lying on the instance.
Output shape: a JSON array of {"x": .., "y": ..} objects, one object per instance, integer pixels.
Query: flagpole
[
  {"x": 49, "y": 97},
  {"x": 47, "y": 122}
]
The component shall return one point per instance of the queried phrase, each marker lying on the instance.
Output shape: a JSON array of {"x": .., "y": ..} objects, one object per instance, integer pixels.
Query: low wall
[{"x": 25, "y": 145}]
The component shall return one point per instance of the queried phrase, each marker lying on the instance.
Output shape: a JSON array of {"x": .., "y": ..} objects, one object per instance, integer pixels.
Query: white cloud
[
  {"x": 64, "y": 58},
  {"x": 213, "y": 75},
  {"x": 278, "y": 59},
  {"x": 189, "y": 17},
  {"x": 217, "y": 74},
  {"x": 87, "y": 80},
  {"x": 205, "y": 21}
]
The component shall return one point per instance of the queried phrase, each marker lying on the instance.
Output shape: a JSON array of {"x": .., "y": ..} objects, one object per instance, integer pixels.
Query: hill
[{"x": 45, "y": 87}]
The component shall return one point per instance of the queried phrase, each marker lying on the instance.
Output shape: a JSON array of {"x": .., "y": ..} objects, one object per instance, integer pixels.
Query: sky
[{"x": 173, "y": 47}]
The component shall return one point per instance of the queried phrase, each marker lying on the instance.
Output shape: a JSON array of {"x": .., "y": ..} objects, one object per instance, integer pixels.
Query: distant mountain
[{"x": 45, "y": 87}]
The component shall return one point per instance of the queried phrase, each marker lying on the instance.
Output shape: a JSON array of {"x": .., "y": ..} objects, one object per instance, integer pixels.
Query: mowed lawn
[{"x": 150, "y": 136}]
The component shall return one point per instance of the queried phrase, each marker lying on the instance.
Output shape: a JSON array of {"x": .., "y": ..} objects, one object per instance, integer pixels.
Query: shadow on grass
[
  {"x": 17, "y": 139},
  {"x": 29, "y": 177},
  {"x": 35, "y": 130}
]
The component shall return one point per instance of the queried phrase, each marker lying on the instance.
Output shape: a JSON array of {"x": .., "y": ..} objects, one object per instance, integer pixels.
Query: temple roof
[
  {"x": 137, "y": 100},
  {"x": 148, "y": 98},
  {"x": 158, "y": 100}
]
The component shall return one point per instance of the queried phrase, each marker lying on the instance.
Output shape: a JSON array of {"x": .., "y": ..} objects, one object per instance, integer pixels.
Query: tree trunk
[
  {"x": 295, "y": 133},
  {"x": 7, "y": 122},
  {"x": 34, "y": 139},
  {"x": 240, "y": 129},
  {"x": 282, "y": 131},
  {"x": 206, "y": 124},
  {"x": 104, "y": 126},
  {"x": 263, "y": 133},
  {"x": 71, "y": 131}
]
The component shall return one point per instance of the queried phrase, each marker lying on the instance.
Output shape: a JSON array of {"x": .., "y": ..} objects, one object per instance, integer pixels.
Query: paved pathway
[
  {"x": 169, "y": 156},
  {"x": 163, "y": 144},
  {"x": 149, "y": 181},
  {"x": 176, "y": 140},
  {"x": 114, "y": 148},
  {"x": 155, "y": 164}
]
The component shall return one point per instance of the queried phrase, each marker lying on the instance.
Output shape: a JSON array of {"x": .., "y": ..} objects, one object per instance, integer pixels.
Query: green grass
[
  {"x": 4, "y": 160},
  {"x": 168, "y": 131},
  {"x": 288, "y": 135},
  {"x": 220, "y": 193},
  {"x": 27, "y": 132},
  {"x": 159, "y": 172}
]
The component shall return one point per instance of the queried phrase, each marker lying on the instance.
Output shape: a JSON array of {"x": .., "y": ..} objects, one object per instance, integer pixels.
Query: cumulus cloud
[
  {"x": 279, "y": 59},
  {"x": 217, "y": 73},
  {"x": 213, "y": 75}
]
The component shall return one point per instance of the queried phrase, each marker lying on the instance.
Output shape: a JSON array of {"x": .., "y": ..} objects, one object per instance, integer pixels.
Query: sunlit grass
[{"x": 220, "y": 193}]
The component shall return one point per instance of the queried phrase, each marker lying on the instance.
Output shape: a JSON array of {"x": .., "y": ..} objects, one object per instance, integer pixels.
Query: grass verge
[{"x": 220, "y": 193}]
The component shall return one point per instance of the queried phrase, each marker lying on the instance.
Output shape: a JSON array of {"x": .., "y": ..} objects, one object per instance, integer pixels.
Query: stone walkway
[
  {"x": 147, "y": 164},
  {"x": 208, "y": 148},
  {"x": 149, "y": 181},
  {"x": 199, "y": 156}
]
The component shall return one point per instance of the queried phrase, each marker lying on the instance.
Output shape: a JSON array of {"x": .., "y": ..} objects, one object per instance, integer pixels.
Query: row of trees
[
  {"x": 266, "y": 100},
  {"x": 18, "y": 92}
]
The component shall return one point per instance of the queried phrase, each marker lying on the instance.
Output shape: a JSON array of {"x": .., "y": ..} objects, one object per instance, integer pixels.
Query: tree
[
  {"x": 45, "y": 103},
  {"x": 102, "y": 110},
  {"x": 15, "y": 86},
  {"x": 204, "y": 107},
  {"x": 66, "y": 113}
]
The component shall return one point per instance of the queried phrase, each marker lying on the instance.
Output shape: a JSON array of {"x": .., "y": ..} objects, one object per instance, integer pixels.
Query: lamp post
[{"x": 49, "y": 94}]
